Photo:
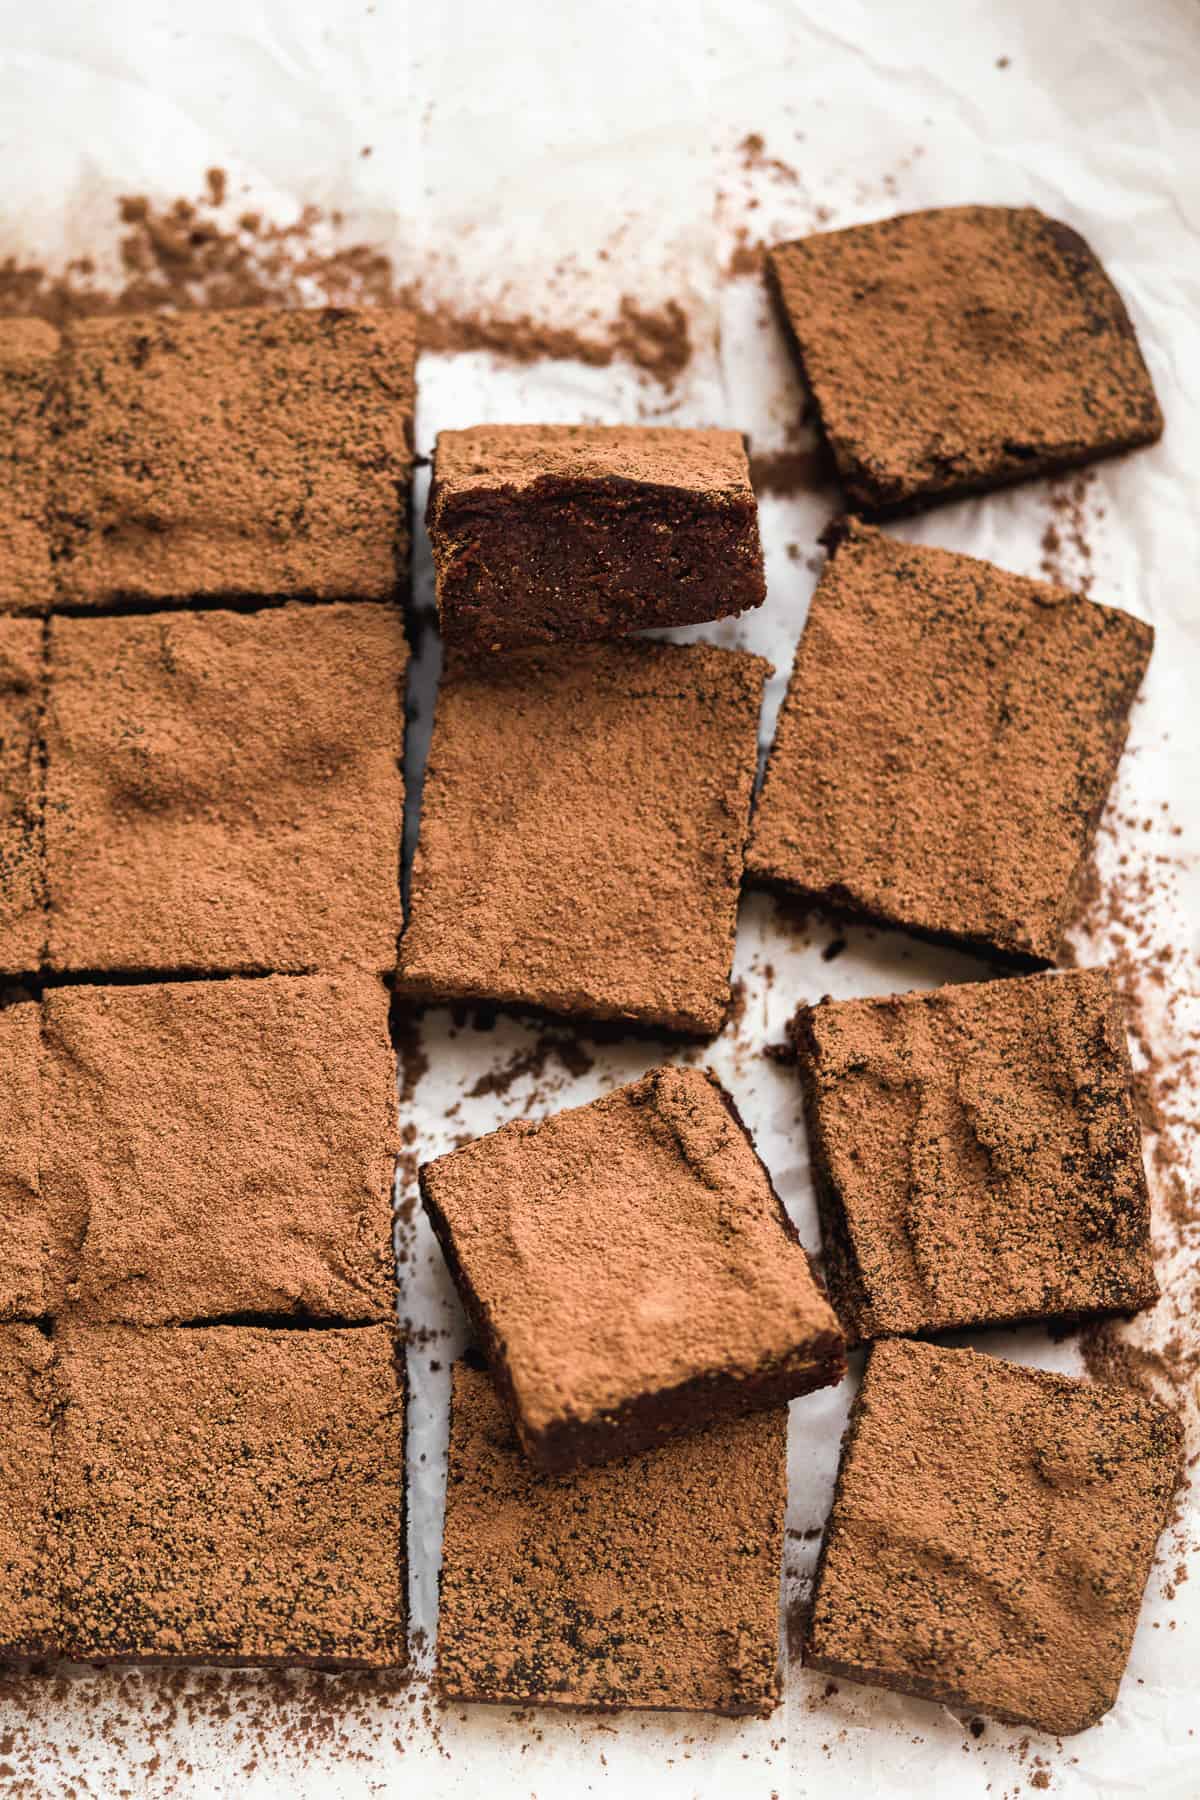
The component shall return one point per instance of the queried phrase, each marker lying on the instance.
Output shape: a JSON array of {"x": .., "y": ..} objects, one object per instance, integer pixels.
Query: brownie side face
[
  {"x": 583, "y": 824},
  {"x": 978, "y": 1155},
  {"x": 565, "y": 533},
  {"x": 29, "y": 403},
  {"x": 224, "y": 790},
  {"x": 22, "y": 861},
  {"x": 652, "y": 1582},
  {"x": 630, "y": 1270},
  {"x": 947, "y": 742},
  {"x": 961, "y": 349},
  {"x": 228, "y": 1147},
  {"x": 992, "y": 1532},
  {"x": 233, "y": 1495},
  {"x": 243, "y": 453},
  {"x": 29, "y": 1556}
]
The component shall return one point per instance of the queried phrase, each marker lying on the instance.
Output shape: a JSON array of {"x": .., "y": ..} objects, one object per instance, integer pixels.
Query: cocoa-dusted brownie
[
  {"x": 977, "y": 1155},
  {"x": 952, "y": 351},
  {"x": 29, "y": 1602},
  {"x": 35, "y": 1239},
  {"x": 224, "y": 790},
  {"x": 583, "y": 822},
  {"x": 949, "y": 736},
  {"x": 22, "y": 861},
  {"x": 630, "y": 1270},
  {"x": 232, "y": 1495},
  {"x": 651, "y": 1582},
  {"x": 992, "y": 1532},
  {"x": 544, "y": 533},
  {"x": 246, "y": 453},
  {"x": 29, "y": 404},
  {"x": 227, "y": 1147}
]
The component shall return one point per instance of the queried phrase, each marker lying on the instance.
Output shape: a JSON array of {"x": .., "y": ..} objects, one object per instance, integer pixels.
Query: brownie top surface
[
  {"x": 583, "y": 820},
  {"x": 954, "y": 347},
  {"x": 983, "y": 1152},
  {"x": 228, "y": 1146},
  {"x": 949, "y": 734},
  {"x": 232, "y": 1492},
  {"x": 22, "y": 922},
  {"x": 516, "y": 458},
  {"x": 650, "y": 1582},
  {"x": 28, "y": 1602},
  {"x": 992, "y": 1533},
  {"x": 25, "y": 1237},
  {"x": 627, "y": 1246}
]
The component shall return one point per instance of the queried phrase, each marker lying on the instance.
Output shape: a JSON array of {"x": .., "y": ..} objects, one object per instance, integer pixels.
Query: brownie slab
[
  {"x": 977, "y": 1155},
  {"x": 224, "y": 790},
  {"x": 647, "y": 1583},
  {"x": 630, "y": 1270},
  {"x": 961, "y": 349},
  {"x": 949, "y": 736},
  {"x": 991, "y": 1535},
  {"x": 232, "y": 1495},
  {"x": 244, "y": 453},
  {"x": 29, "y": 1607},
  {"x": 22, "y": 862},
  {"x": 583, "y": 821},
  {"x": 227, "y": 1147},
  {"x": 29, "y": 403},
  {"x": 544, "y": 533}
]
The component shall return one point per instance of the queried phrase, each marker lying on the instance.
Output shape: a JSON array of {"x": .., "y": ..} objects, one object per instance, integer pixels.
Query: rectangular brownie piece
[
  {"x": 961, "y": 349},
  {"x": 992, "y": 1532},
  {"x": 630, "y": 1270},
  {"x": 545, "y": 533},
  {"x": 977, "y": 1155},
  {"x": 226, "y": 1148},
  {"x": 652, "y": 1582},
  {"x": 22, "y": 852},
  {"x": 210, "y": 455},
  {"x": 947, "y": 742},
  {"x": 232, "y": 1495},
  {"x": 29, "y": 406},
  {"x": 29, "y": 1554}
]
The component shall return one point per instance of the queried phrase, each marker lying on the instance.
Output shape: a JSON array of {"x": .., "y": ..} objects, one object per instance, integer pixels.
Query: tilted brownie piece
[
  {"x": 227, "y": 1147},
  {"x": 977, "y": 1155},
  {"x": 652, "y": 1582},
  {"x": 992, "y": 1532},
  {"x": 948, "y": 739},
  {"x": 630, "y": 1270},
  {"x": 961, "y": 349},
  {"x": 583, "y": 822},
  {"x": 29, "y": 1554},
  {"x": 232, "y": 1495},
  {"x": 22, "y": 854},
  {"x": 224, "y": 790},
  {"x": 221, "y": 454},
  {"x": 29, "y": 408},
  {"x": 544, "y": 533}
]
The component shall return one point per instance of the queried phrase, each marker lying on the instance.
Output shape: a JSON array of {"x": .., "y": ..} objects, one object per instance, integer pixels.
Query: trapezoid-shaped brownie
[
  {"x": 992, "y": 1532},
  {"x": 630, "y": 1269},
  {"x": 224, "y": 791},
  {"x": 29, "y": 1550},
  {"x": 583, "y": 822},
  {"x": 961, "y": 349},
  {"x": 977, "y": 1155},
  {"x": 651, "y": 1582},
  {"x": 545, "y": 533},
  {"x": 949, "y": 736},
  {"x": 29, "y": 411},
  {"x": 22, "y": 846},
  {"x": 250, "y": 453}
]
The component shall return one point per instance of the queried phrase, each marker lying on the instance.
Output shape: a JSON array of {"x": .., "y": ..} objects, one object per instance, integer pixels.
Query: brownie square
[
  {"x": 949, "y": 736},
  {"x": 244, "y": 453},
  {"x": 957, "y": 350},
  {"x": 232, "y": 1495},
  {"x": 583, "y": 822},
  {"x": 22, "y": 865},
  {"x": 630, "y": 1270},
  {"x": 992, "y": 1532},
  {"x": 228, "y": 1147},
  {"x": 28, "y": 415},
  {"x": 647, "y": 1583},
  {"x": 35, "y": 1236},
  {"x": 977, "y": 1155},
  {"x": 571, "y": 532},
  {"x": 224, "y": 790},
  {"x": 29, "y": 1601}
]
